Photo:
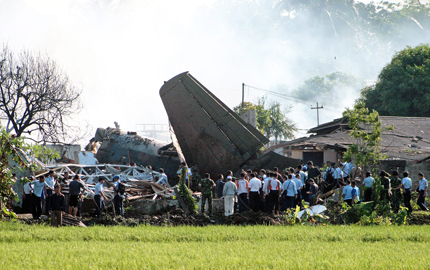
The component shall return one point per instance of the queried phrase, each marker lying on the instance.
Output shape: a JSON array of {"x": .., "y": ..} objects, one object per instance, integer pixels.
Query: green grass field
[{"x": 217, "y": 247}]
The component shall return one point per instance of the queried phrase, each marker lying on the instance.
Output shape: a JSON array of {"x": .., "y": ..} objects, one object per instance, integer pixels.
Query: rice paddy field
[{"x": 214, "y": 247}]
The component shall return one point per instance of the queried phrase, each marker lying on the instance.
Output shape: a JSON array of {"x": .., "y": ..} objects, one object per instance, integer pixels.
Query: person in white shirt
[
  {"x": 99, "y": 197},
  {"x": 422, "y": 189},
  {"x": 348, "y": 169},
  {"x": 368, "y": 183},
  {"x": 273, "y": 188},
  {"x": 50, "y": 181},
  {"x": 406, "y": 185},
  {"x": 290, "y": 192},
  {"x": 229, "y": 192},
  {"x": 27, "y": 197},
  {"x": 338, "y": 176},
  {"x": 254, "y": 192},
  {"x": 242, "y": 191},
  {"x": 163, "y": 178}
]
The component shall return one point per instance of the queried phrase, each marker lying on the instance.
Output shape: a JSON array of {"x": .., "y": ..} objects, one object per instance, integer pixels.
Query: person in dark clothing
[
  {"x": 386, "y": 184},
  {"x": 56, "y": 207},
  {"x": 119, "y": 198},
  {"x": 75, "y": 187},
  {"x": 280, "y": 178},
  {"x": 313, "y": 190},
  {"x": 407, "y": 185},
  {"x": 220, "y": 185},
  {"x": 422, "y": 189},
  {"x": 27, "y": 197},
  {"x": 313, "y": 172},
  {"x": 396, "y": 197}
]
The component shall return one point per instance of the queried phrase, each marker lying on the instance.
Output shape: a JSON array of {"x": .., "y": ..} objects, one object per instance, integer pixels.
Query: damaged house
[{"x": 406, "y": 147}]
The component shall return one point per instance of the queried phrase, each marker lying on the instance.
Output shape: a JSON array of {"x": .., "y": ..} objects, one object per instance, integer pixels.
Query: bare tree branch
[{"x": 37, "y": 96}]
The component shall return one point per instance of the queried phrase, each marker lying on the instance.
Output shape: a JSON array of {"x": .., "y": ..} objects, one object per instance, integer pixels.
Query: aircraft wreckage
[{"x": 205, "y": 132}]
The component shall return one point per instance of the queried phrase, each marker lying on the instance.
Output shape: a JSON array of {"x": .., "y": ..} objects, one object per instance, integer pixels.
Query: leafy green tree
[
  {"x": 403, "y": 85},
  {"x": 261, "y": 114},
  {"x": 272, "y": 122},
  {"x": 7, "y": 154},
  {"x": 41, "y": 152},
  {"x": 366, "y": 132},
  {"x": 281, "y": 126}
]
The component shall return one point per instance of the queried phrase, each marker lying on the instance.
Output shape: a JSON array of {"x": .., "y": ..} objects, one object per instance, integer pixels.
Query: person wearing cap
[
  {"x": 406, "y": 185},
  {"x": 118, "y": 198},
  {"x": 99, "y": 197},
  {"x": 75, "y": 187},
  {"x": 422, "y": 189},
  {"x": 229, "y": 192}
]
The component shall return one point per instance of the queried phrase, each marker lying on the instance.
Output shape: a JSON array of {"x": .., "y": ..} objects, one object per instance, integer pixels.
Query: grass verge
[{"x": 218, "y": 247}]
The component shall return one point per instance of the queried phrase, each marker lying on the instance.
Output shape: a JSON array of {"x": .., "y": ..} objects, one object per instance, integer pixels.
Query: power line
[
  {"x": 278, "y": 94},
  {"x": 291, "y": 98}
]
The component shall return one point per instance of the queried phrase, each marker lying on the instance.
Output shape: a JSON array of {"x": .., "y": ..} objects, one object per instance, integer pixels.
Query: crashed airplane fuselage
[{"x": 210, "y": 135}]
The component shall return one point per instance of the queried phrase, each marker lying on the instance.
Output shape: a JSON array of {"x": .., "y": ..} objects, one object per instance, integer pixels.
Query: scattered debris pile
[
  {"x": 177, "y": 217},
  {"x": 139, "y": 181}
]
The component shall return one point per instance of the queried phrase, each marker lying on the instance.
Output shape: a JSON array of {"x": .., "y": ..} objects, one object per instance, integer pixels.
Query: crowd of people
[
  {"x": 44, "y": 192},
  {"x": 270, "y": 191}
]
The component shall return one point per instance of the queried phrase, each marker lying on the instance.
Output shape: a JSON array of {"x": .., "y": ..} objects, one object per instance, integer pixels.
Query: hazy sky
[{"x": 119, "y": 52}]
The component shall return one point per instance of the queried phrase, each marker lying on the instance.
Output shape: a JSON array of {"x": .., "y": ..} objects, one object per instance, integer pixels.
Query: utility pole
[
  {"x": 318, "y": 113},
  {"x": 243, "y": 95}
]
